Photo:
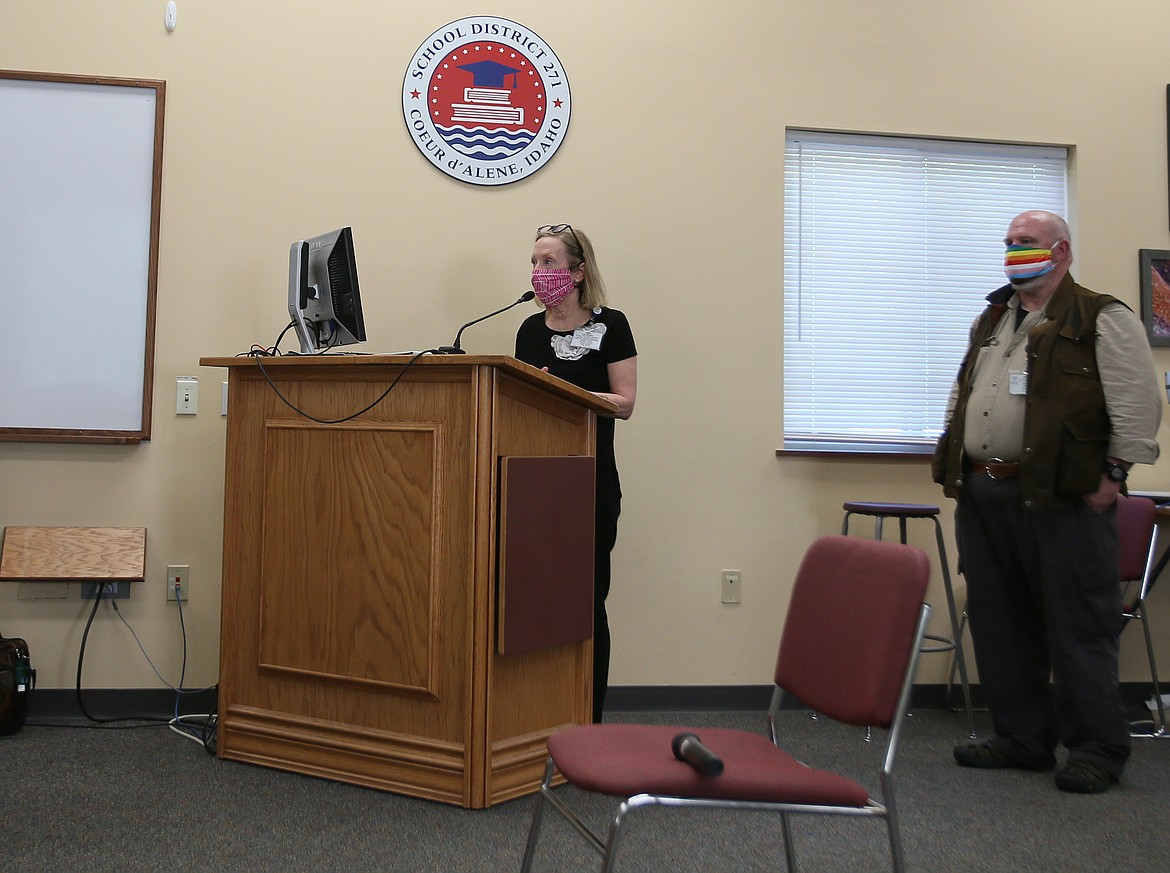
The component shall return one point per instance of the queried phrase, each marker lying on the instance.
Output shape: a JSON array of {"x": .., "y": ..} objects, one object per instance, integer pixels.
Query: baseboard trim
[
  {"x": 742, "y": 698},
  {"x": 749, "y": 698},
  {"x": 61, "y": 704},
  {"x": 688, "y": 698}
]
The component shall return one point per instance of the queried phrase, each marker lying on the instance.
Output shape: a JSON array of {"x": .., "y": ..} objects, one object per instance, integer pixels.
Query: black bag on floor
[{"x": 17, "y": 680}]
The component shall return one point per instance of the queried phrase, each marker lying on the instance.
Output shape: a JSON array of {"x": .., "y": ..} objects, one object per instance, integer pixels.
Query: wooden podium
[{"x": 363, "y": 587}]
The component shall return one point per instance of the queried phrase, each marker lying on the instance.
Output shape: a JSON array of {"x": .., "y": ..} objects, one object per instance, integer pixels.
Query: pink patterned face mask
[{"x": 552, "y": 286}]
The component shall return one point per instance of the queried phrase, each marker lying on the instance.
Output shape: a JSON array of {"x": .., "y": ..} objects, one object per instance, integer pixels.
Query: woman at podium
[{"x": 576, "y": 337}]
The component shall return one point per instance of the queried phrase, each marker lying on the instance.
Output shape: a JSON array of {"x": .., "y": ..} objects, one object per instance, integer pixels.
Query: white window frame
[{"x": 891, "y": 245}]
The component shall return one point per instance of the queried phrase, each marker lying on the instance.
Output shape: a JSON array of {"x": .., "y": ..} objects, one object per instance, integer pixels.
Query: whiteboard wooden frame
[{"x": 81, "y": 184}]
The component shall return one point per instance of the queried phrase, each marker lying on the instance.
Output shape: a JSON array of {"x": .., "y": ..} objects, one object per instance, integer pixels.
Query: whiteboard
[{"x": 80, "y": 178}]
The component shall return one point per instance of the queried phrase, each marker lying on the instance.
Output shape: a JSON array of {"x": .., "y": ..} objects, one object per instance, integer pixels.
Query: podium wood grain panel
[
  {"x": 378, "y": 759},
  {"x": 546, "y": 688},
  {"x": 360, "y": 573},
  {"x": 348, "y": 588}
]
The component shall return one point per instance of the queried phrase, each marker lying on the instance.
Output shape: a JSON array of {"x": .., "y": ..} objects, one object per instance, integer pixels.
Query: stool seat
[{"x": 894, "y": 510}]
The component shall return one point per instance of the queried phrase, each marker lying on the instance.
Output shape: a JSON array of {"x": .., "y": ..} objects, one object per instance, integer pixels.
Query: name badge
[
  {"x": 1018, "y": 382},
  {"x": 588, "y": 337}
]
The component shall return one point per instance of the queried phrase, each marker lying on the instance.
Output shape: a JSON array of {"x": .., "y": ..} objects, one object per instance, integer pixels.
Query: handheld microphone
[
  {"x": 688, "y": 748},
  {"x": 454, "y": 349}
]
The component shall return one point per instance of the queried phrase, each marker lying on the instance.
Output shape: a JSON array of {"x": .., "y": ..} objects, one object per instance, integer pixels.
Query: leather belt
[{"x": 998, "y": 469}]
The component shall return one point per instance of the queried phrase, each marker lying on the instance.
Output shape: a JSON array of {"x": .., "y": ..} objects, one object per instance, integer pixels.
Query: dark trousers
[
  {"x": 1044, "y": 601},
  {"x": 604, "y": 538}
]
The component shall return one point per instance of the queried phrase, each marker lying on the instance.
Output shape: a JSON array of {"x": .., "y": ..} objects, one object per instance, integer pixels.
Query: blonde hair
[{"x": 579, "y": 250}]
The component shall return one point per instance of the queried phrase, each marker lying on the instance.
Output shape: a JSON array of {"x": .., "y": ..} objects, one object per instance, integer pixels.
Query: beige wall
[{"x": 283, "y": 120}]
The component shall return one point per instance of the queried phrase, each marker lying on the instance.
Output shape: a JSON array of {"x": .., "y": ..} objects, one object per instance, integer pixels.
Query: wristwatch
[{"x": 1116, "y": 472}]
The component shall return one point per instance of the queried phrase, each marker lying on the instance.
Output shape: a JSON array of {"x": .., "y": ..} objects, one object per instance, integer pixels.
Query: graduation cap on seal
[{"x": 489, "y": 74}]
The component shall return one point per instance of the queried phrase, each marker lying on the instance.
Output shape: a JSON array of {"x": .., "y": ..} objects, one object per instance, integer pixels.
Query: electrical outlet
[
  {"x": 729, "y": 585},
  {"x": 119, "y": 590},
  {"x": 177, "y": 579}
]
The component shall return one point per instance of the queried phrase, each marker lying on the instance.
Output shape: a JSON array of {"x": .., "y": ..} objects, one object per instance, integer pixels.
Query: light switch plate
[{"x": 186, "y": 395}]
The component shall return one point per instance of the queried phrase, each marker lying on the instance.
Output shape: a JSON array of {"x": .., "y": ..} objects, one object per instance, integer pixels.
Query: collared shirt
[{"x": 995, "y": 409}]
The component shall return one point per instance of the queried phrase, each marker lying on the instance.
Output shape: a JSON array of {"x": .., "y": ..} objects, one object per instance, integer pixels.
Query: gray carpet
[{"x": 139, "y": 800}]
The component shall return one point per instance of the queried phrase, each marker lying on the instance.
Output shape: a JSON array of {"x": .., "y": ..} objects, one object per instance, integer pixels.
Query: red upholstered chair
[
  {"x": 1137, "y": 535},
  {"x": 866, "y": 592}
]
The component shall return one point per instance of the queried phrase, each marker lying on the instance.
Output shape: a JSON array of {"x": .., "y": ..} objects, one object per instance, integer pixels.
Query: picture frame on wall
[{"x": 1155, "y": 295}]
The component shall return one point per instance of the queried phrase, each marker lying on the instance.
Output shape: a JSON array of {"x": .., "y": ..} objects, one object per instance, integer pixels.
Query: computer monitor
[{"x": 323, "y": 298}]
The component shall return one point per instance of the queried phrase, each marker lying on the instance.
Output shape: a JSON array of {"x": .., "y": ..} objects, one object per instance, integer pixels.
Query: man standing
[{"x": 1055, "y": 399}]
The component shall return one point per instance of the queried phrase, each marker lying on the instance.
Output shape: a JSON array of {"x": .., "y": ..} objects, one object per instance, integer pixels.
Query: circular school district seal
[{"x": 486, "y": 100}]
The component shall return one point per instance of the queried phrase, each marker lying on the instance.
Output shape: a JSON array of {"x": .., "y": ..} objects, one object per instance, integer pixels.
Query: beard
[{"x": 1024, "y": 286}]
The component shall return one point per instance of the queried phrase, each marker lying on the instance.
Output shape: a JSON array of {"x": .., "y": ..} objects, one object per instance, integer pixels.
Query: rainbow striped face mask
[{"x": 1021, "y": 263}]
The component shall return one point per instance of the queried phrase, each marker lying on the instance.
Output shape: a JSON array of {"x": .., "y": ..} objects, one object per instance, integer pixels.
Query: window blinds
[{"x": 890, "y": 247}]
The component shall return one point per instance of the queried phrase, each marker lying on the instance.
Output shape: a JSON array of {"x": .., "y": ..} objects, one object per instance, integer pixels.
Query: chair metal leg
[
  {"x": 789, "y": 848},
  {"x": 1158, "y": 727},
  {"x": 955, "y": 661},
  {"x": 895, "y": 836},
  {"x": 537, "y": 818},
  {"x": 956, "y": 640},
  {"x": 609, "y": 858},
  {"x": 1154, "y": 676}
]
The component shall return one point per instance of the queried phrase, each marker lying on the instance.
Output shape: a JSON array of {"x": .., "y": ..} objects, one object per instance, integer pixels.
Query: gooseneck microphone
[
  {"x": 454, "y": 349},
  {"x": 688, "y": 748}
]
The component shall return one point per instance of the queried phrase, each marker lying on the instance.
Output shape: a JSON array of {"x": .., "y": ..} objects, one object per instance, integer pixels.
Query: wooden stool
[{"x": 903, "y": 511}]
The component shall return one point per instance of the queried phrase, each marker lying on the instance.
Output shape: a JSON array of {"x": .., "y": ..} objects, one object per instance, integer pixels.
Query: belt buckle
[{"x": 988, "y": 464}]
